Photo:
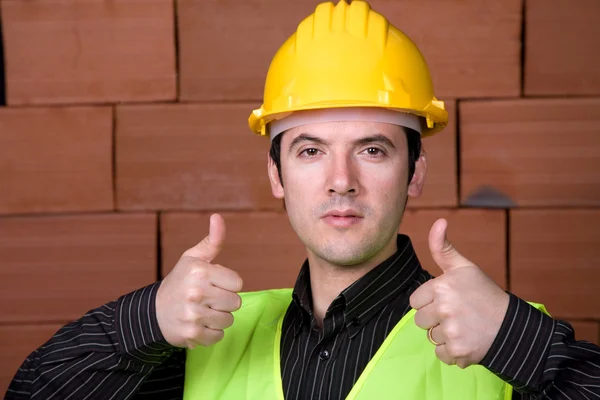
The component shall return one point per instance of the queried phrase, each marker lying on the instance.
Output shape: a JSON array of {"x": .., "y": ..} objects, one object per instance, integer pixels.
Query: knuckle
[
  {"x": 445, "y": 310},
  {"x": 192, "y": 317},
  {"x": 195, "y": 295},
  {"x": 440, "y": 288},
  {"x": 200, "y": 272},
  {"x": 452, "y": 332},
  {"x": 187, "y": 316},
  {"x": 192, "y": 333}
]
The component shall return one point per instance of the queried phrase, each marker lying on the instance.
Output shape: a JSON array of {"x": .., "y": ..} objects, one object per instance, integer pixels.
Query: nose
[{"x": 343, "y": 176}]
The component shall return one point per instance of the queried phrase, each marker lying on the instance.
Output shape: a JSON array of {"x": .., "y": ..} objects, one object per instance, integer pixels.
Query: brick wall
[{"x": 125, "y": 126}]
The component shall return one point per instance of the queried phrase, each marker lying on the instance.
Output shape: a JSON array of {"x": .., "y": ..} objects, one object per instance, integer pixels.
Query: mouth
[{"x": 342, "y": 218}]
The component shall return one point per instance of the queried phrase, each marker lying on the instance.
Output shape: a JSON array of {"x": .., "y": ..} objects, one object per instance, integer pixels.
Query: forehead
[{"x": 347, "y": 131}]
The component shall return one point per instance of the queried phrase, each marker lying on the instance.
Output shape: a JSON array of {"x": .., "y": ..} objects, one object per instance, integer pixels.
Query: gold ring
[{"x": 431, "y": 338}]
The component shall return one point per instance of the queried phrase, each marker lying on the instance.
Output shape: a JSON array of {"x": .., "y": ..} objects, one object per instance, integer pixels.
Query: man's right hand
[{"x": 195, "y": 300}]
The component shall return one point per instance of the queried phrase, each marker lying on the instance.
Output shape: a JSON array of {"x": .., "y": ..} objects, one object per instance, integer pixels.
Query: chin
[{"x": 345, "y": 253}]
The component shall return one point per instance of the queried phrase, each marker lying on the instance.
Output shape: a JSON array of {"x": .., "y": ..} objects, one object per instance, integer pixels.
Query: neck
[{"x": 328, "y": 280}]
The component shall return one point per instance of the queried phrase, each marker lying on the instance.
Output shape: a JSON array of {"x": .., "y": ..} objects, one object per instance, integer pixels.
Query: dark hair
[{"x": 413, "y": 140}]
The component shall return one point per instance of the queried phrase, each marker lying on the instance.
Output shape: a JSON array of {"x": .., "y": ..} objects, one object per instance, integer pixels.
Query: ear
[
  {"x": 276, "y": 186},
  {"x": 415, "y": 186}
]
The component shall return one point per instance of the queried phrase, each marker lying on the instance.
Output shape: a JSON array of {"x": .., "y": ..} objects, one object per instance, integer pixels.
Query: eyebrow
[
  {"x": 304, "y": 137},
  {"x": 378, "y": 138}
]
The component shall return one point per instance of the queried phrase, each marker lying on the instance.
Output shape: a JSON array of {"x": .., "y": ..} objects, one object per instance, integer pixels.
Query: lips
[
  {"x": 343, "y": 213},
  {"x": 342, "y": 218}
]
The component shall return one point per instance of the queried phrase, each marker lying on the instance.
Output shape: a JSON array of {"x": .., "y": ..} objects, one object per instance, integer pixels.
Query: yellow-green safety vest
[{"x": 246, "y": 363}]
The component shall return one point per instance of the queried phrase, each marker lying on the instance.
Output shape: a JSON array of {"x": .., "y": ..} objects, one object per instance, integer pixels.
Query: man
[{"x": 347, "y": 99}]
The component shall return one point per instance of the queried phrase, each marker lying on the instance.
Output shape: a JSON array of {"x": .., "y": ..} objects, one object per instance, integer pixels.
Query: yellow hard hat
[{"x": 347, "y": 55}]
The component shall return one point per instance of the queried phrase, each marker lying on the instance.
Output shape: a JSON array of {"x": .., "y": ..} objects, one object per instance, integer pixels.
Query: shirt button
[{"x": 324, "y": 355}]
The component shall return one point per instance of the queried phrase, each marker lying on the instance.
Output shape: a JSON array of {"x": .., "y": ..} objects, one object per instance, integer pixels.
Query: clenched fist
[{"x": 195, "y": 300}]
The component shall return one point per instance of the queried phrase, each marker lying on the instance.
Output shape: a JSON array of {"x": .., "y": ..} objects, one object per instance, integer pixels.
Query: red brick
[
  {"x": 261, "y": 247},
  {"x": 57, "y": 268},
  {"x": 561, "y": 47},
  {"x": 201, "y": 157},
  {"x": 65, "y": 51},
  {"x": 16, "y": 343},
  {"x": 479, "y": 235},
  {"x": 225, "y": 47},
  {"x": 440, "y": 184},
  {"x": 589, "y": 331},
  {"x": 472, "y": 46},
  {"x": 554, "y": 259},
  {"x": 541, "y": 152},
  {"x": 58, "y": 159}
]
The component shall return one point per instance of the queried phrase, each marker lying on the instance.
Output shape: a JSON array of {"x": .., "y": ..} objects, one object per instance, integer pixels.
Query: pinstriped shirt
[
  {"x": 117, "y": 352},
  {"x": 324, "y": 363}
]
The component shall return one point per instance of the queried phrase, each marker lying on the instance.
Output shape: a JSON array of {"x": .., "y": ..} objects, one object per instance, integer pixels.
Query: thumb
[
  {"x": 443, "y": 252},
  {"x": 210, "y": 247}
]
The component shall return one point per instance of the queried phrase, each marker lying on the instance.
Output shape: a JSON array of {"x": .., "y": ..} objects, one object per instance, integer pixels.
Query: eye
[
  {"x": 310, "y": 152},
  {"x": 374, "y": 151}
]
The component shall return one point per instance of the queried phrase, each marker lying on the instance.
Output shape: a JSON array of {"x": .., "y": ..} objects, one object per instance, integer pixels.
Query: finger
[
  {"x": 207, "y": 338},
  {"x": 217, "y": 320},
  {"x": 427, "y": 317},
  {"x": 437, "y": 335},
  {"x": 223, "y": 300},
  {"x": 208, "y": 249},
  {"x": 442, "y": 353},
  {"x": 443, "y": 252},
  {"x": 422, "y": 296},
  {"x": 226, "y": 278}
]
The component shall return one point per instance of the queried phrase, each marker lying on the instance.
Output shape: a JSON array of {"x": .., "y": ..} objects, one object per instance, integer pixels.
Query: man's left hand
[{"x": 463, "y": 305}]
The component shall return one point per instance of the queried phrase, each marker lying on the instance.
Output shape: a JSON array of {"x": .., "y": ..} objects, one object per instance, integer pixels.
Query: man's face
[{"x": 345, "y": 186}]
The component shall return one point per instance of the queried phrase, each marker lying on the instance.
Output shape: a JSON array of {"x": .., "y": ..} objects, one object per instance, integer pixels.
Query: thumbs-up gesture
[
  {"x": 195, "y": 301},
  {"x": 464, "y": 306}
]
